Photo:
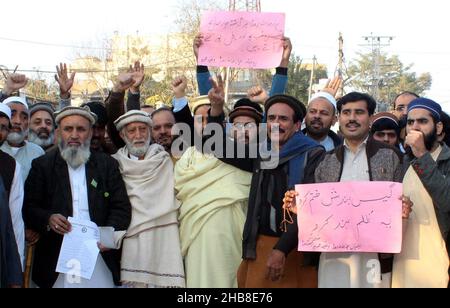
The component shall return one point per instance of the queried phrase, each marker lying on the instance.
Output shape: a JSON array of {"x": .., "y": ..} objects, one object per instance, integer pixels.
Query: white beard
[
  {"x": 75, "y": 156},
  {"x": 137, "y": 151},
  {"x": 43, "y": 143},
  {"x": 16, "y": 138}
]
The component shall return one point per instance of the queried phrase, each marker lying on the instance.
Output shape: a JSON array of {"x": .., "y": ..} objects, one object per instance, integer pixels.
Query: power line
[
  {"x": 90, "y": 71},
  {"x": 51, "y": 44}
]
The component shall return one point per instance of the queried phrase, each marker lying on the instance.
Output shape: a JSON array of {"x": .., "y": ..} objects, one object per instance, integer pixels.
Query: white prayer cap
[
  {"x": 134, "y": 116},
  {"x": 16, "y": 100},
  {"x": 5, "y": 110},
  {"x": 84, "y": 112},
  {"x": 326, "y": 96}
]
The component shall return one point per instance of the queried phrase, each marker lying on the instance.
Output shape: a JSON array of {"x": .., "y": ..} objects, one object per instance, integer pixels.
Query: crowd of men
[{"x": 187, "y": 215}]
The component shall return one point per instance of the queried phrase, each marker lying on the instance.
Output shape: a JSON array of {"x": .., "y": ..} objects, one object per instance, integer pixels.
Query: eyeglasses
[{"x": 247, "y": 126}]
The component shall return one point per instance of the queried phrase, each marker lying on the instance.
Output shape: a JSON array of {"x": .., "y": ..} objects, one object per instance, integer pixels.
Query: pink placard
[
  {"x": 242, "y": 39},
  {"x": 350, "y": 217}
]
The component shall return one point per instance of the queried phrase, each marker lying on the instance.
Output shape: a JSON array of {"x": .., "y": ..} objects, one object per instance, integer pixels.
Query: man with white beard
[
  {"x": 42, "y": 125},
  {"x": 72, "y": 181},
  {"x": 151, "y": 255},
  {"x": 23, "y": 151}
]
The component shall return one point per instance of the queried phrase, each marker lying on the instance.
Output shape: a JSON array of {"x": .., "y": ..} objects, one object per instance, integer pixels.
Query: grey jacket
[
  {"x": 385, "y": 164},
  {"x": 435, "y": 176}
]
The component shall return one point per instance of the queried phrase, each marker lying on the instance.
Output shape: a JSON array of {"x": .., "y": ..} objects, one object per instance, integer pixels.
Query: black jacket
[
  {"x": 268, "y": 186},
  {"x": 48, "y": 192},
  {"x": 336, "y": 139},
  {"x": 10, "y": 267}
]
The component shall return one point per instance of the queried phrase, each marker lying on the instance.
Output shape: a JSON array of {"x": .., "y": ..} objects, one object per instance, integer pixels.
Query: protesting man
[
  {"x": 151, "y": 255},
  {"x": 72, "y": 181},
  {"x": 424, "y": 260}
]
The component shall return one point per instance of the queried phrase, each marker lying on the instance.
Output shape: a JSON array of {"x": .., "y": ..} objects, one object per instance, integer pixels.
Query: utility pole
[
  {"x": 376, "y": 43},
  {"x": 246, "y": 6},
  {"x": 311, "y": 82},
  {"x": 341, "y": 68}
]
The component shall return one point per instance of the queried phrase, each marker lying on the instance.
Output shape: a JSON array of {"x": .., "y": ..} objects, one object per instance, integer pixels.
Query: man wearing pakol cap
[
  {"x": 320, "y": 117},
  {"x": 269, "y": 261},
  {"x": 386, "y": 128},
  {"x": 42, "y": 125},
  {"x": 151, "y": 255},
  {"x": 10, "y": 172},
  {"x": 214, "y": 200},
  {"x": 424, "y": 260},
  {"x": 72, "y": 181},
  {"x": 23, "y": 151}
]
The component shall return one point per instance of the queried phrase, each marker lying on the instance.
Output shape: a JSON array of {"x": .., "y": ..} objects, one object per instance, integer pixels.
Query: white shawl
[{"x": 151, "y": 249}]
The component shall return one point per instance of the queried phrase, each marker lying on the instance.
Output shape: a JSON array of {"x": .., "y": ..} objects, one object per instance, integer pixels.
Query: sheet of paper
[
  {"x": 242, "y": 39},
  {"x": 107, "y": 237},
  {"x": 350, "y": 217},
  {"x": 79, "y": 251}
]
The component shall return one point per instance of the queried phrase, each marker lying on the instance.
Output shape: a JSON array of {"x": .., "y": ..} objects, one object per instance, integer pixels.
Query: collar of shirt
[{"x": 360, "y": 147}]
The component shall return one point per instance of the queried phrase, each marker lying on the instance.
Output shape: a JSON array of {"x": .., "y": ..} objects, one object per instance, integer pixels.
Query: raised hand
[
  {"x": 258, "y": 95},
  {"x": 65, "y": 82},
  {"x": 198, "y": 41},
  {"x": 179, "y": 86},
  {"x": 287, "y": 50},
  {"x": 333, "y": 86},
  {"x": 124, "y": 82},
  {"x": 138, "y": 72},
  {"x": 14, "y": 83},
  {"x": 217, "y": 96}
]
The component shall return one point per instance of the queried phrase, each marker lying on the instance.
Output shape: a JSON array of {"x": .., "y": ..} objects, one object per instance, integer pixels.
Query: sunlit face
[
  {"x": 245, "y": 129},
  {"x": 201, "y": 119},
  {"x": 163, "y": 122},
  {"x": 75, "y": 131},
  {"x": 354, "y": 121},
  {"x": 137, "y": 137},
  {"x": 41, "y": 124},
  {"x": 281, "y": 116},
  {"x": 320, "y": 118},
  {"x": 19, "y": 123},
  {"x": 402, "y": 104}
]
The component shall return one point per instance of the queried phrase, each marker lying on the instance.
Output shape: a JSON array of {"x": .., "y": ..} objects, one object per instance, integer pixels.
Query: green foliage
[
  {"x": 299, "y": 78},
  {"x": 395, "y": 77}
]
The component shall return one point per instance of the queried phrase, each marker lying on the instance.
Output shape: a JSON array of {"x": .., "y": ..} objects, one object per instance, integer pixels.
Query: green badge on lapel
[
  {"x": 94, "y": 183},
  {"x": 106, "y": 195}
]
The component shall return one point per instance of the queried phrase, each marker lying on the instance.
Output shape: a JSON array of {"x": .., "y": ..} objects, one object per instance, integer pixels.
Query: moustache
[
  {"x": 353, "y": 123},
  {"x": 43, "y": 131}
]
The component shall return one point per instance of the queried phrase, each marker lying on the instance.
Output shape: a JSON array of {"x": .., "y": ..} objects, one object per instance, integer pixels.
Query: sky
[{"x": 418, "y": 28}]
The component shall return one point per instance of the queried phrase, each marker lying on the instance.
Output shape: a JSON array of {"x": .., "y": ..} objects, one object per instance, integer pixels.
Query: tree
[
  {"x": 299, "y": 78},
  {"x": 395, "y": 77},
  {"x": 188, "y": 20}
]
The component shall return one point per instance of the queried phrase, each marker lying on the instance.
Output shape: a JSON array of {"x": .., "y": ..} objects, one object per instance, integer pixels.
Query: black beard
[{"x": 430, "y": 140}]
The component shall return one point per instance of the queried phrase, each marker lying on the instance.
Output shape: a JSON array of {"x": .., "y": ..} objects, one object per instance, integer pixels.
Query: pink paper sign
[
  {"x": 242, "y": 39},
  {"x": 350, "y": 217}
]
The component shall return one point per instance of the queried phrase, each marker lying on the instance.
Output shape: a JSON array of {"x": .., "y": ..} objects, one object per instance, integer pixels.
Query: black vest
[{"x": 7, "y": 170}]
